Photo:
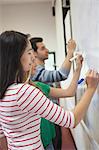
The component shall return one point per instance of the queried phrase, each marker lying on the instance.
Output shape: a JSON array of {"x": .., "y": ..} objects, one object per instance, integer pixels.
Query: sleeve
[
  {"x": 31, "y": 99},
  {"x": 1, "y": 132},
  {"x": 44, "y": 75},
  {"x": 43, "y": 87},
  {"x": 64, "y": 72}
]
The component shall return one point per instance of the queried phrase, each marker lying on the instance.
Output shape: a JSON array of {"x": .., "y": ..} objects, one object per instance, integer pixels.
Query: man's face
[{"x": 42, "y": 51}]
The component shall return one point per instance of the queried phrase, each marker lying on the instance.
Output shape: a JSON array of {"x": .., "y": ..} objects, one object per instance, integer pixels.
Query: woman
[
  {"x": 22, "y": 105},
  {"x": 47, "y": 128}
]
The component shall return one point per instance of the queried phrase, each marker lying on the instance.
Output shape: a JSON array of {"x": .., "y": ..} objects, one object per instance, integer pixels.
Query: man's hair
[
  {"x": 34, "y": 41},
  {"x": 12, "y": 46}
]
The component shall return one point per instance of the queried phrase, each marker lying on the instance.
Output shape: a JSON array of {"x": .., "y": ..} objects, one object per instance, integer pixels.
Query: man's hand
[{"x": 71, "y": 47}]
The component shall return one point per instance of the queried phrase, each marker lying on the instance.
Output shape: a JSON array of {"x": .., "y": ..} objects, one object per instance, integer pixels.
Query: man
[
  {"x": 41, "y": 53},
  {"x": 46, "y": 76}
]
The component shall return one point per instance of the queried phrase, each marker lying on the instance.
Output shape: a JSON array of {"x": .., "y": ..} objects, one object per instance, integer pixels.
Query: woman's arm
[
  {"x": 31, "y": 99},
  {"x": 71, "y": 90},
  {"x": 59, "y": 92},
  {"x": 81, "y": 108}
]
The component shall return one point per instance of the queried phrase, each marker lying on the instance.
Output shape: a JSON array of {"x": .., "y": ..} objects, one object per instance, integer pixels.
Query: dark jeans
[
  {"x": 57, "y": 141},
  {"x": 50, "y": 147}
]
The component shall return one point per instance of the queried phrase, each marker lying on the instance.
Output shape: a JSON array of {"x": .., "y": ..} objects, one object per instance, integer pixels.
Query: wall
[
  {"x": 0, "y": 18},
  {"x": 34, "y": 18},
  {"x": 59, "y": 32}
]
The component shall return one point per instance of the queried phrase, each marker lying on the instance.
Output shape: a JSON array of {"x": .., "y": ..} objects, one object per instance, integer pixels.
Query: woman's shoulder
[{"x": 19, "y": 87}]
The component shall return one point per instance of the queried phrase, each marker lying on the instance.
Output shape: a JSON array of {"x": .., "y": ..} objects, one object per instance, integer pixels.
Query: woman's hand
[
  {"x": 79, "y": 62},
  {"x": 92, "y": 79}
]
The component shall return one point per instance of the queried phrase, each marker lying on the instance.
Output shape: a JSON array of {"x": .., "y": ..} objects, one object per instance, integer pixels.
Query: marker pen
[
  {"x": 73, "y": 58},
  {"x": 81, "y": 80}
]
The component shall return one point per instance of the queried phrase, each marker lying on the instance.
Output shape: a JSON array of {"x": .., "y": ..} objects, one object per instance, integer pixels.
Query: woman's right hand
[
  {"x": 92, "y": 79},
  {"x": 79, "y": 62}
]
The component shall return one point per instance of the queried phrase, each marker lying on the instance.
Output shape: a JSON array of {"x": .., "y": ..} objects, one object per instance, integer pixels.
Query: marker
[
  {"x": 73, "y": 58},
  {"x": 81, "y": 80}
]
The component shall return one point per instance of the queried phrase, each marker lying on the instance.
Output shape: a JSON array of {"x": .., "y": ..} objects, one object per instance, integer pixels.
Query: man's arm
[
  {"x": 45, "y": 76},
  {"x": 70, "y": 50}
]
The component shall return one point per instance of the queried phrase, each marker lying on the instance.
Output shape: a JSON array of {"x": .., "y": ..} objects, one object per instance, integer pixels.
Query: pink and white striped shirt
[{"x": 21, "y": 110}]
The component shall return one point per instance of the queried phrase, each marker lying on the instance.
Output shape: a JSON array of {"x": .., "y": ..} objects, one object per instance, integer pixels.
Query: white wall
[
  {"x": 34, "y": 18},
  {"x": 60, "y": 53}
]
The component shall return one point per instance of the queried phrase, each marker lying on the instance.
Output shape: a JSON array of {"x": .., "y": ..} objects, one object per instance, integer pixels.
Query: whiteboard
[{"x": 85, "y": 27}]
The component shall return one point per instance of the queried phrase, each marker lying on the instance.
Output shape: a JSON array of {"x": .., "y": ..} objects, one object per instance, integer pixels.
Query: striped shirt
[
  {"x": 44, "y": 75},
  {"x": 21, "y": 110}
]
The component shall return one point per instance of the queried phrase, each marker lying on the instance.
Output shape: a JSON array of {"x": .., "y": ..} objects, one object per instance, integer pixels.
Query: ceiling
[{"x": 21, "y": 1}]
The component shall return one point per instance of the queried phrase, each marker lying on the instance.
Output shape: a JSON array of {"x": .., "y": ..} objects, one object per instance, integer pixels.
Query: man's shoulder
[{"x": 40, "y": 67}]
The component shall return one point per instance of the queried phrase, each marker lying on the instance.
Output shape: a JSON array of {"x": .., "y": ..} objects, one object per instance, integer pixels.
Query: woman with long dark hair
[{"x": 22, "y": 105}]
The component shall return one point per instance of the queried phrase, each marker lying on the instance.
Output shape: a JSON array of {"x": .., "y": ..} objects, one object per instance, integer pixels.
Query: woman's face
[{"x": 28, "y": 58}]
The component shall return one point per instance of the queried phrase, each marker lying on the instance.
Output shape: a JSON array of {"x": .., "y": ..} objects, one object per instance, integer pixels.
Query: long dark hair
[{"x": 12, "y": 46}]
